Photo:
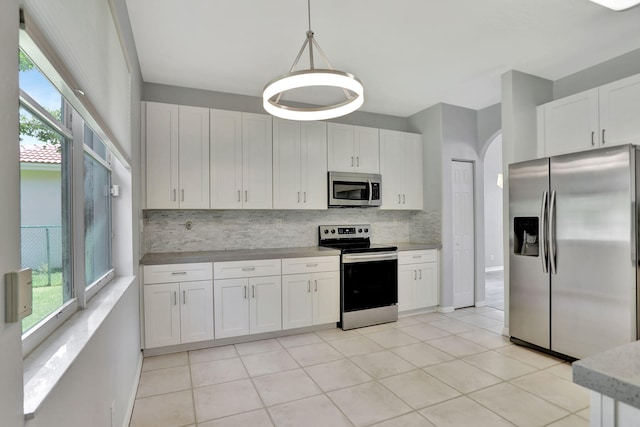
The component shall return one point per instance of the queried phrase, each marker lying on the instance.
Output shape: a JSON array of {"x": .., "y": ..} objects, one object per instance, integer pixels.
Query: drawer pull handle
[
  {"x": 312, "y": 265},
  {"x": 417, "y": 256},
  {"x": 178, "y": 273},
  {"x": 248, "y": 268}
]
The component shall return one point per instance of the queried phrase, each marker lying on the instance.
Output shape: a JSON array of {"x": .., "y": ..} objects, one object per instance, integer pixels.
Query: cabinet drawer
[
  {"x": 169, "y": 273},
  {"x": 310, "y": 264},
  {"x": 254, "y": 268},
  {"x": 413, "y": 257}
]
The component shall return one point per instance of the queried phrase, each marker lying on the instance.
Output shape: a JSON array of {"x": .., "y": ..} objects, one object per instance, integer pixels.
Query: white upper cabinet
[
  {"x": 177, "y": 152},
  {"x": 600, "y": 117},
  {"x": 353, "y": 148},
  {"x": 299, "y": 165},
  {"x": 401, "y": 169},
  {"x": 241, "y": 160}
]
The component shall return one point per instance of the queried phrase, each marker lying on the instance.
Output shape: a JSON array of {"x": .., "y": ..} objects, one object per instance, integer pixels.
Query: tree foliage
[{"x": 25, "y": 62}]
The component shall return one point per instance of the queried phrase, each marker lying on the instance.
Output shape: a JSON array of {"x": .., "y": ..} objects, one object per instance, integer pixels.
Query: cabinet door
[
  {"x": 326, "y": 297},
  {"x": 340, "y": 148},
  {"x": 265, "y": 308},
  {"x": 231, "y": 307},
  {"x": 427, "y": 285},
  {"x": 367, "y": 149},
  {"x": 257, "y": 161},
  {"x": 287, "y": 192},
  {"x": 193, "y": 157},
  {"x": 412, "y": 172},
  {"x": 296, "y": 301},
  {"x": 161, "y": 315},
  {"x": 571, "y": 124},
  {"x": 391, "y": 168},
  {"x": 162, "y": 155},
  {"x": 407, "y": 275},
  {"x": 226, "y": 159},
  {"x": 313, "y": 142},
  {"x": 620, "y": 112},
  {"x": 196, "y": 311}
]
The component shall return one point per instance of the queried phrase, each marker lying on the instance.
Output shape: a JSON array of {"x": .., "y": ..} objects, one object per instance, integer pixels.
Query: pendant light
[
  {"x": 313, "y": 77},
  {"x": 617, "y": 5}
]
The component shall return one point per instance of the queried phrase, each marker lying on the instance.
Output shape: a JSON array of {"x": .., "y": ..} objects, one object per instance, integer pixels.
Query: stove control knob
[
  {"x": 326, "y": 231},
  {"x": 333, "y": 231},
  {"x": 366, "y": 230},
  {"x": 359, "y": 230}
]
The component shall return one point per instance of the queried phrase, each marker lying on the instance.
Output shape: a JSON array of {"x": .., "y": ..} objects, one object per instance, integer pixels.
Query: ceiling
[{"x": 409, "y": 54}]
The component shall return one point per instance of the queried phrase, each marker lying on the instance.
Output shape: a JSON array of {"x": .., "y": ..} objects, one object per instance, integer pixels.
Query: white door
[
  {"x": 193, "y": 158},
  {"x": 287, "y": 192},
  {"x": 619, "y": 112},
  {"x": 257, "y": 161},
  {"x": 407, "y": 275},
  {"x": 265, "y": 313},
  {"x": 391, "y": 168},
  {"x": 162, "y": 155},
  {"x": 340, "y": 155},
  {"x": 231, "y": 307},
  {"x": 226, "y": 159},
  {"x": 196, "y": 311},
  {"x": 296, "y": 301},
  {"x": 463, "y": 234},
  {"x": 313, "y": 142},
  {"x": 367, "y": 149},
  {"x": 412, "y": 178},
  {"x": 326, "y": 297},
  {"x": 427, "y": 285},
  {"x": 161, "y": 315}
]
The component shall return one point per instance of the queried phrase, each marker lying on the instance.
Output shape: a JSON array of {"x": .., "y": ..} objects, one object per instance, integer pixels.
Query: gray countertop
[
  {"x": 614, "y": 373},
  {"x": 251, "y": 254}
]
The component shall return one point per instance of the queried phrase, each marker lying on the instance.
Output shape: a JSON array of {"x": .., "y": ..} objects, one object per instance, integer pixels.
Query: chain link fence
[{"x": 42, "y": 252}]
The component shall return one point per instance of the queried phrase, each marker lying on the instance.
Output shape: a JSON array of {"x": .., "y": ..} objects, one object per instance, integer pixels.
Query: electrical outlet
[{"x": 279, "y": 223}]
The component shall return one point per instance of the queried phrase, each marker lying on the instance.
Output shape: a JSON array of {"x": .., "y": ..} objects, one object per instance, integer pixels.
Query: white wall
[
  {"x": 40, "y": 195},
  {"x": 493, "y": 253},
  {"x": 10, "y": 345}
]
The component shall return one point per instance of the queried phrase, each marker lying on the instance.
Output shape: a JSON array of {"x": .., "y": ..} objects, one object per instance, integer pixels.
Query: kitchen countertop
[
  {"x": 251, "y": 254},
  {"x": 614, "y": 373}
]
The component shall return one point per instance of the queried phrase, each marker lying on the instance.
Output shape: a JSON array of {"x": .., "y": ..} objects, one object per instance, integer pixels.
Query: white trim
[
  {"x": 32, "y": 166},
  {"x": 95, "y": 287},
  {"x": 132, "y": 396},
  {"x": 481, "y": 303},
  {"x": 505, "y": 332},
  {"x": 489, "y": 269},
  {"x": 41, "y": 330},
  {"x": 446, "y": 309}
]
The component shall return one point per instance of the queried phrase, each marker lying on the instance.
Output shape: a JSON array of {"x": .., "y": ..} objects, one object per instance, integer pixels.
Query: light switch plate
[{"x": 18, "y": 295}]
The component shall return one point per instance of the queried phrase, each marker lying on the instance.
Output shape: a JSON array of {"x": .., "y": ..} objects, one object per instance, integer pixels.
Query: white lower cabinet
[
  {"x": 310, "y": 291},
  {"x": 177, "y": 312},
  {"x": 417, "y": 279},
  {"x": 248, "y": 303}
]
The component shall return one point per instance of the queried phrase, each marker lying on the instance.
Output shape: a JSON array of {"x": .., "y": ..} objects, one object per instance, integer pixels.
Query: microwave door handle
[{"x": 370, "y": 190}]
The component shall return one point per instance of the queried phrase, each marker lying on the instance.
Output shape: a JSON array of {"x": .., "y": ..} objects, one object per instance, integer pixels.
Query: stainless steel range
[{"x": 368, "y": 275}]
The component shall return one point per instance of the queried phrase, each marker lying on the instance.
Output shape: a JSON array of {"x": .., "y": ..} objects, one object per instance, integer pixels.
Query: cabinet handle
[
  {"x": 248, "y": 268},
  {"x": 184, "y": 297},
  {"x": 404, "y": 199},
  {"x": 415, "y": 274},
  {"x": 312, "y": 265},
  {"x": 298, "y": 197},
  {"x": 238, "y": 195},
  {"x": 420, "y": 276},
  {"x": 352, "y": 164},
  {"x": 253, "y": 291},
  {"x": 245, "y": 292},
  {"x": 174, "y": 194},
  {"x": 246, "y": 195},
  {"x": 603, "y": 141},
  {"x": 309, "y": 286},
  {"x": 399, "y": 199},
  {"x": 593, "y": 142},
  {"x": 305, "y": 197},
  {"x": 175, "y": 298},
  {"x": 316, "y": 285},
  {"x": 358, "y": 161},
  {"x": 178, "y": 273},
  {"x": 182, "y": 196},
  {"x": 417, "y": 256}
]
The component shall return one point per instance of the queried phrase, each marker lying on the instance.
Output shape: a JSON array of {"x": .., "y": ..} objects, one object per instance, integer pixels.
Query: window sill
[{"x": 48, "y": 363}]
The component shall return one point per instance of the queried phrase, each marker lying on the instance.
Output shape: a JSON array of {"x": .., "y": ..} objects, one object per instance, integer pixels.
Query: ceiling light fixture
[
  {"x": 313, "y": 77},
  {"x": 617, "y": 5}
]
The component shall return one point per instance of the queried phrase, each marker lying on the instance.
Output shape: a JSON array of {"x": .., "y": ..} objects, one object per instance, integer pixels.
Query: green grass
[
  {"x": 42, "y": 278},
  {"x": 46, "y": 299}
]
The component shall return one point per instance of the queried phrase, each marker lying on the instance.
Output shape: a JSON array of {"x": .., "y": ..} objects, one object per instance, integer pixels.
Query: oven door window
[
  {"x": 369, "y": 284},
  {"x": 343, "y": 190}
]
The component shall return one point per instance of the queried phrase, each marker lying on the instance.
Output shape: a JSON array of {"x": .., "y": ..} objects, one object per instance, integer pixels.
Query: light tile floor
[
  {"x": 494, "y": 289},
  {"x": 425, "y": 370}
]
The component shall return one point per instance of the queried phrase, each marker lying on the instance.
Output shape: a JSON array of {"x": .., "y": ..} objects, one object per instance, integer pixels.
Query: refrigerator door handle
[
  {"x": 552, "y": 233},
  {"x": 544, "y": 235}
]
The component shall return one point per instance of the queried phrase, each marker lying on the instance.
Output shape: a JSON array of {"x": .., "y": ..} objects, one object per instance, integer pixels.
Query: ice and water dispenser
[{"x": 525, "y": 236}]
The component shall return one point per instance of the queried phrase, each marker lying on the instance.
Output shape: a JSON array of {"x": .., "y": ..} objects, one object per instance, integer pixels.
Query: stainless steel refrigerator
[{"x": 573, "y": 262}]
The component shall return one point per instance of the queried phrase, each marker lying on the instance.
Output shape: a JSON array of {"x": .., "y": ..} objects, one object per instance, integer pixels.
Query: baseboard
[
  {"x": 490, "y": 269},
  {"x": 505, "y": 332},
  {"x": 132, "y": 398},
  {"x": 481, "y": 303},
  {"x": 445, "y": 309}
]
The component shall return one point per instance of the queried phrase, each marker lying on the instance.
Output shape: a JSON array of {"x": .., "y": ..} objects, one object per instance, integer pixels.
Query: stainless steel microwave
[{"x": 348, "y": 190}]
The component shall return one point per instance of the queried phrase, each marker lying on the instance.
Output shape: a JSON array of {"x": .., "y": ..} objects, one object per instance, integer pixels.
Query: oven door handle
[{"x": 380, "y": 256}]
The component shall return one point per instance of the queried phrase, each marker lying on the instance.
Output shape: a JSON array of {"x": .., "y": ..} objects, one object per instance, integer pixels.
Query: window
[{"x": 65, "y": 204}]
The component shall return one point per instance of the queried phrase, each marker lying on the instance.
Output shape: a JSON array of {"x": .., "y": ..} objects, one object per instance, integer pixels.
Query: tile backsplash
[{"x": 166, "y": 231}]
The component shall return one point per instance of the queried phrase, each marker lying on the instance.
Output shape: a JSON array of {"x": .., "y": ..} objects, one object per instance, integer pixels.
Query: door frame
[{"x": 475, "y": 231}]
